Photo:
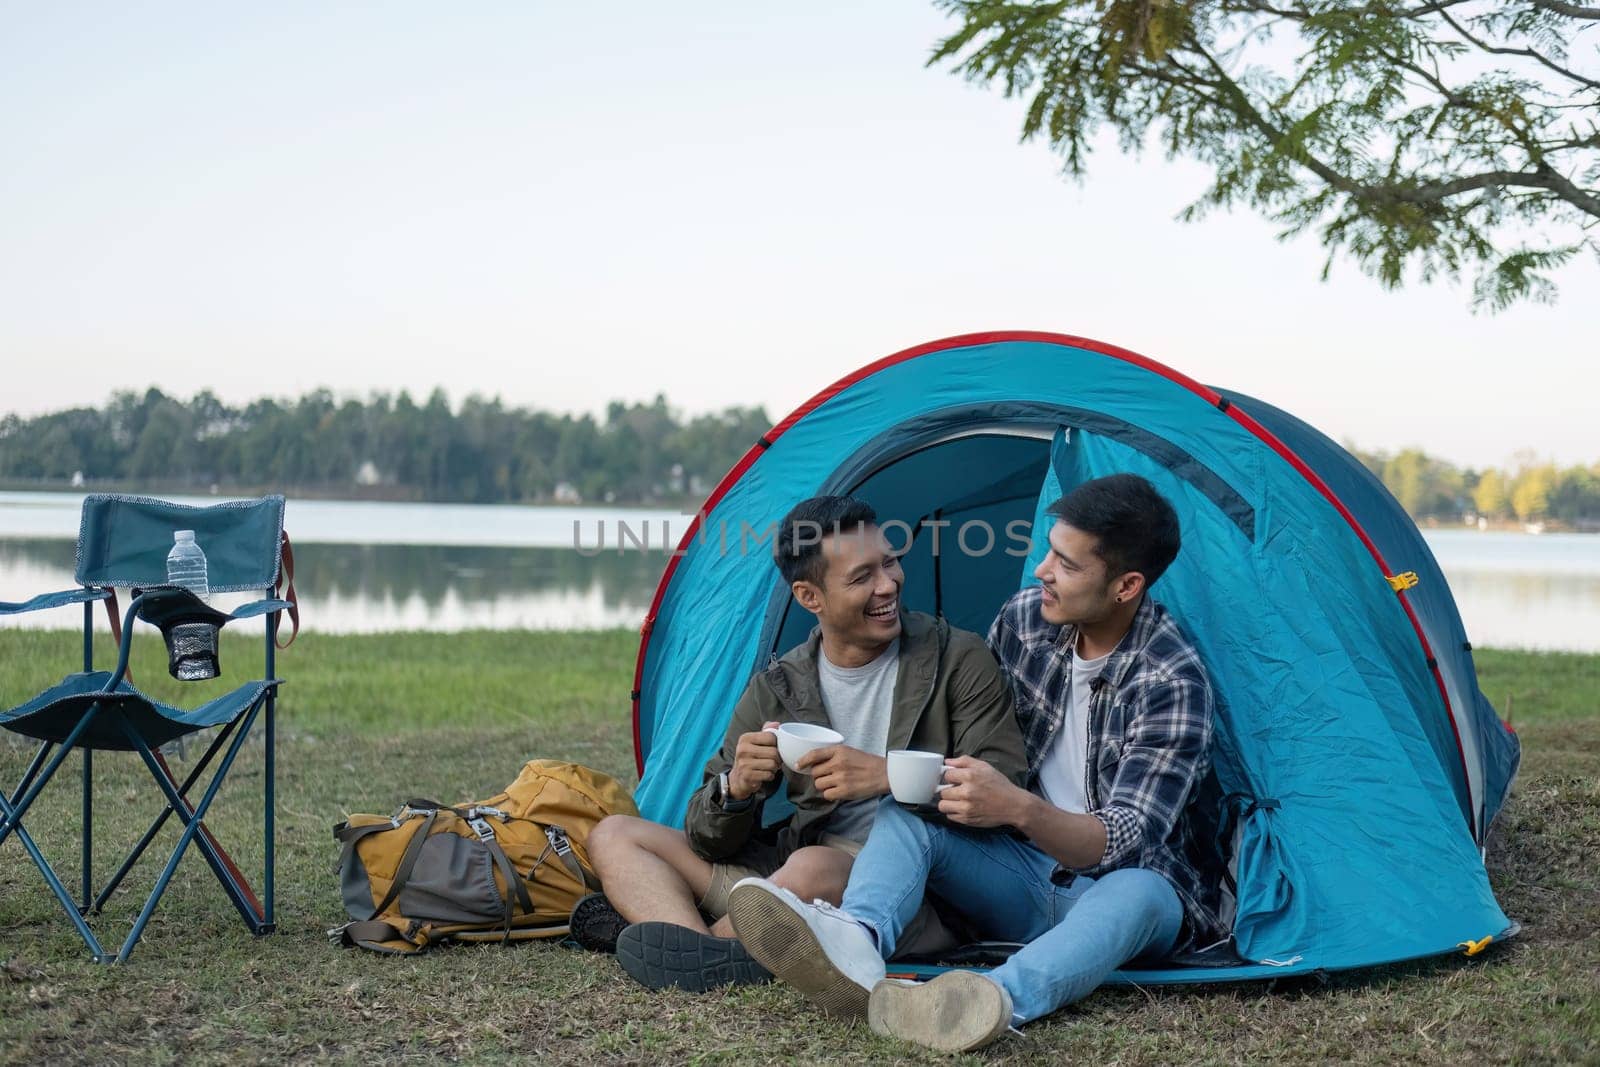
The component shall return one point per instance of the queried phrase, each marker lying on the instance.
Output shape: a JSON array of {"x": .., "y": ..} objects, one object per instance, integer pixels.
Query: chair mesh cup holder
[
  {"x": 192, "y": 651},
  {"x": 190, "y": 629}
]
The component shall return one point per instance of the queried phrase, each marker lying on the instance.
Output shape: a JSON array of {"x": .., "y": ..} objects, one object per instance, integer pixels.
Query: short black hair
[
  {"x": 798, "y": 546},
  {"x": 1134, "y": 527}
]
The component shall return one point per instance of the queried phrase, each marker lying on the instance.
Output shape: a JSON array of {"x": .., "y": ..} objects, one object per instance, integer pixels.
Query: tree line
[
  {"x": 1528, "y": 491},
  {"x": 386, "y": 446},
  {"x": 484, "y": 452}
]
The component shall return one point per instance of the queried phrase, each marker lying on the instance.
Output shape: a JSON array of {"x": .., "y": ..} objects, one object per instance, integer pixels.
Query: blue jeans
[{"x": 1076, "y": 935}]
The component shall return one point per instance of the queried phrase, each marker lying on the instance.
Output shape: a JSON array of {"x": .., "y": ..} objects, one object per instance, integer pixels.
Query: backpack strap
[
  {"x": 408, "y": 861},
  {"x": 516, "y": 889},
  {"x": 563, "y": 850},
  {"x": 562, "y": 847},
  {"x": 424, "y": 804},
  {"x": 349, "y": 835},
  {"x": 375, "y": 930},
  {"x": 375, "y": 935}
]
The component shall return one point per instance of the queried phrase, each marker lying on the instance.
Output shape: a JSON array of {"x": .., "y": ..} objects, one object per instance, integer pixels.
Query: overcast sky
[{"x": 727, "y": 202}]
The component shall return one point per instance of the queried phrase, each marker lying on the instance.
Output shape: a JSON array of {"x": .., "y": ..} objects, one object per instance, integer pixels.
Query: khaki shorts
[
  {"x": 926, "y": 935},
  {"x": 757, "y": 860}
]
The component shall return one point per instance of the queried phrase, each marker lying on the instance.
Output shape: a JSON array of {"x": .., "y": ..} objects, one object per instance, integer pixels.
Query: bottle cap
[{"x": 183, "y": 535}]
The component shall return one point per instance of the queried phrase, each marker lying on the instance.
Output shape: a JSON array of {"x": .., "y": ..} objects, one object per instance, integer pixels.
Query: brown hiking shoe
[{"x": 956, "y": 1012}]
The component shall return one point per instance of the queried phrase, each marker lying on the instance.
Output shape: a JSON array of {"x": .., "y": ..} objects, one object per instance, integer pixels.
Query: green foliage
[
  {"x": 1490, "y": 497},
  {"x": 1423, "y": 140},
  {"x": 1530, "y": 497},
  {"x": 482, "y": 453},
  {"x": 1422, "y": 484},
  {"x": 1432, "y": 488}
]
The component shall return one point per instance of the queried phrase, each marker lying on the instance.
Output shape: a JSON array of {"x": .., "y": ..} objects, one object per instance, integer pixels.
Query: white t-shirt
[
  {"x": 859, "y": 702},
  {"x": 1062, "y": 772}
]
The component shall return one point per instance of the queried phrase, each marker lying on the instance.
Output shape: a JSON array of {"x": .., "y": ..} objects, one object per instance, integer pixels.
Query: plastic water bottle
[{"x": 186, "y": 565}]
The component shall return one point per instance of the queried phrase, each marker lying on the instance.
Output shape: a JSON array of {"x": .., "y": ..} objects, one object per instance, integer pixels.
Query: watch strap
[{"x": 725, "y": 798}]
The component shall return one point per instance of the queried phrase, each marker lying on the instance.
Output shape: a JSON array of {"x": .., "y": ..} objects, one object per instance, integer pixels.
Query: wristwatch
[{"x": 722, "y": 796}]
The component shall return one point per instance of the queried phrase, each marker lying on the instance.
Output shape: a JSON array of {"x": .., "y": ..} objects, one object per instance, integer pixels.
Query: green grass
[
  {"x": 377, "y": 683},
  {"x": 368, "y": 721},
  {"x": 1539, "y": 687}
]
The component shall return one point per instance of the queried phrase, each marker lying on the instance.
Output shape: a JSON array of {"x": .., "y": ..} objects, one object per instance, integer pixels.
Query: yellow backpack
[{"x": 508, "y": 868}]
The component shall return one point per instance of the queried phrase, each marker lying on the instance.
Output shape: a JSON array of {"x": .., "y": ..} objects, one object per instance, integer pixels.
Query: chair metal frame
[{"x": 258, "y": 914}]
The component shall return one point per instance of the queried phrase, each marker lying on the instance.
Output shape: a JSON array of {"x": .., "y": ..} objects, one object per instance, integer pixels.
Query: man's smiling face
[{"x": 858, "y": 601}]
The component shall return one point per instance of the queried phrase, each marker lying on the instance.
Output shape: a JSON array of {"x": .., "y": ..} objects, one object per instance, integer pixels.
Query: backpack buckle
[
  {"x": 481, "y": 827},
  {"x": 558, "y": 840}
]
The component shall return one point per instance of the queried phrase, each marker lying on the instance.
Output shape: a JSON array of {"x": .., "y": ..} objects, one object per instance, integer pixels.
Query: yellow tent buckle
[
  {"x": 1403, "y": 581},
  {"x": 1475, "y": 947}
]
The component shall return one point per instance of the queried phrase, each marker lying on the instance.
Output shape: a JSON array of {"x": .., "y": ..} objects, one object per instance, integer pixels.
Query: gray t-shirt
[{"x": 859, "y": 701}]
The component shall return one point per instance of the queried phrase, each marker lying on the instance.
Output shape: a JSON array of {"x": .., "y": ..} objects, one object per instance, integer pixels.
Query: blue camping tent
[{"x": 1361, "y": 762}]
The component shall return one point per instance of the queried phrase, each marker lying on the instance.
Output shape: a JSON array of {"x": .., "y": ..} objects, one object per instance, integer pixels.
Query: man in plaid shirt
[{"x": 1116, "y": 715}]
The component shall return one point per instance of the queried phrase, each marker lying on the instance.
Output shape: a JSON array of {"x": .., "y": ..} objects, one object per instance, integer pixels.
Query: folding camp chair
[{"x": 123, "y": 542}]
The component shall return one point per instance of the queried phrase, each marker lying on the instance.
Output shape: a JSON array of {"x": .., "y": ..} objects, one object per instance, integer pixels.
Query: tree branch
[
  {"x": 1301, "y": 14},
  {"x": 1542, "y": 176},
  {"x": 1572, "y": 11},
  {"x": 1530, "y": 53},
  {"x": 1242, "y": 107}
]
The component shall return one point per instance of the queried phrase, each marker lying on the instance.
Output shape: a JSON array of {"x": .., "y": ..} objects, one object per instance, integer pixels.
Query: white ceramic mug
[
  {"x": 795, "y": 739},
  {"x": 914, "y": 776}
]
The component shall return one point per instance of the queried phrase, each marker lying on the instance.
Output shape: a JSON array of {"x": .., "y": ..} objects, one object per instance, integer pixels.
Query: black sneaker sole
[
  {"x": 595, "y": 924},
  {"x": 667, "y": 956}
]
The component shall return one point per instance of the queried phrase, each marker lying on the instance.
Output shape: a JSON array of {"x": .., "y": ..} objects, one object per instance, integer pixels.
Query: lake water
[{"x": 365, "y": 567}]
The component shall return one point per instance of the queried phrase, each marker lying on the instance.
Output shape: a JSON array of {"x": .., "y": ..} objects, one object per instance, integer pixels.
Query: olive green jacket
[{"x": 949, "y": 696}]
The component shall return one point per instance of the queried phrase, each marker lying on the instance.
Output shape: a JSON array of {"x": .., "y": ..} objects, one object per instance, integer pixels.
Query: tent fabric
[
  {"x": 1492, "y": 752},
  {"x": 1340, "y": 699}
]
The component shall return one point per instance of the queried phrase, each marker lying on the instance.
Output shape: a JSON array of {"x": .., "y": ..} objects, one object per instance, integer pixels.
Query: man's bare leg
[
  {"x": 649, "y": 871},
  {"x": 815, "y": 872}
]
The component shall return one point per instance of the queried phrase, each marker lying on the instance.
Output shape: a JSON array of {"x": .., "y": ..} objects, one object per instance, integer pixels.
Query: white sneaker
[
  {"x": 956, "y": 1012},
  {"x": 818, "y": 949}
]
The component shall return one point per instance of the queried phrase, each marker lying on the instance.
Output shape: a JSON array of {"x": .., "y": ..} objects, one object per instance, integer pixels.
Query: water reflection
[
  {"x": 366, "y": 588},
  {"x": 1508, "y": 597},
  {"x": 1516, "y": 610}
]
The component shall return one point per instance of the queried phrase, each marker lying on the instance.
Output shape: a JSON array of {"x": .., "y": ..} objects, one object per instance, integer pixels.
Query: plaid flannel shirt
[{"x": 1150, "y": 722}]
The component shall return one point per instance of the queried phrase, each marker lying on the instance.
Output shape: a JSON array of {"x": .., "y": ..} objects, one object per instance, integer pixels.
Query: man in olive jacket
[{"x": 883, "y": 677}]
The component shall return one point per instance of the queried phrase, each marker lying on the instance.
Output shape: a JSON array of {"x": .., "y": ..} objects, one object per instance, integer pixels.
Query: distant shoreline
[
  {"x": 378, "y": 494},
  {"x": 685, "y": 505}
]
